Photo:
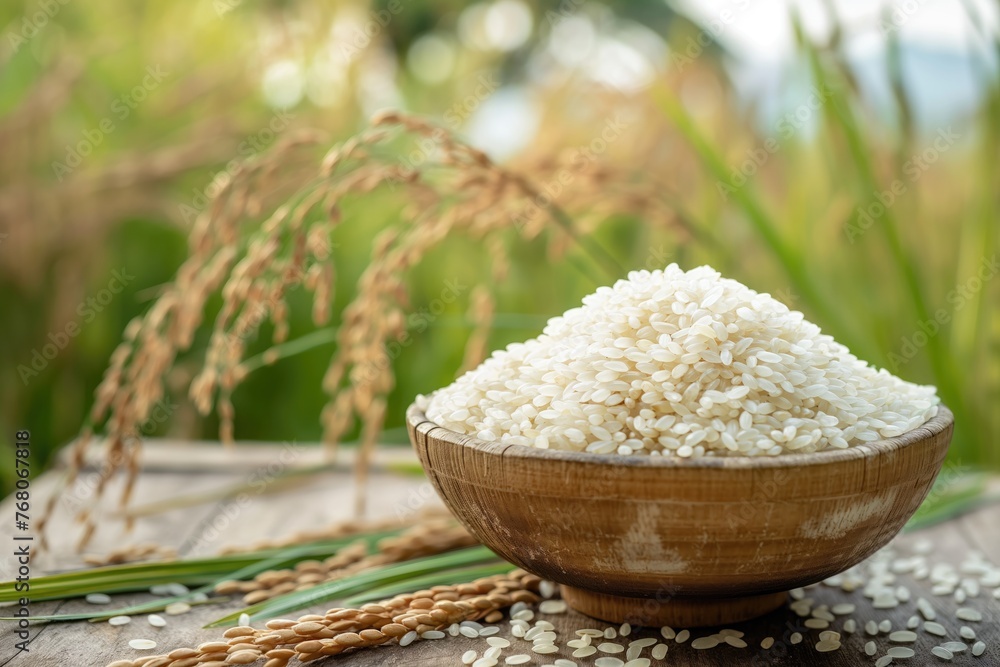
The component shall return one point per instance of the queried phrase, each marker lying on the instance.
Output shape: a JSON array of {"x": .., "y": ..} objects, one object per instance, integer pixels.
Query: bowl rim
[{"x": 417, "y": 421}]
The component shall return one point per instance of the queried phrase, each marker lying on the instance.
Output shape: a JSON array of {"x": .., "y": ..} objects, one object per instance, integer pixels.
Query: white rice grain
[{"x": 703, "y": 374}]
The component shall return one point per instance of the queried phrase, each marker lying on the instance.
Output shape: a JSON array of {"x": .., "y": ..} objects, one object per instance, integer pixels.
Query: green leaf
[
  {"x": 446, "y": 578},
  {"x": 953, "y": 494},
  {"x": 132, "y": 577}
]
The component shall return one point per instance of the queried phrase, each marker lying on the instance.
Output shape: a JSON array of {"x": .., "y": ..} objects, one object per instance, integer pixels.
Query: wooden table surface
[{"x": 272, "y": 511}]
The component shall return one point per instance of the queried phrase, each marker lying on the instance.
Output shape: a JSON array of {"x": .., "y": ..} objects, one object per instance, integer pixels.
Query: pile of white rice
[{"x": 680, "y": 363}]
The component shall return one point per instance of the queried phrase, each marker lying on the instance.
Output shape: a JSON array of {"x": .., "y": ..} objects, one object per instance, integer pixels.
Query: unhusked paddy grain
[{"x": 685, "y": 364}]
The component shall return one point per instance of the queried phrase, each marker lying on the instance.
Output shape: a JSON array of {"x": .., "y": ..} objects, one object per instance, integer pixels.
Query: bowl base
[{"x": 680, "y": 612}]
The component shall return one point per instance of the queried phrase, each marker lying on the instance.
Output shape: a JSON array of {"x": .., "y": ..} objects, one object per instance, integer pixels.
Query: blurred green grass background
[{"x": 788, "y": 192}]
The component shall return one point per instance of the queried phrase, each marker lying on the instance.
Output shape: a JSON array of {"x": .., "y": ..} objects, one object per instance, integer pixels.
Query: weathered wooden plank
[{"x": 328, "y": 498}]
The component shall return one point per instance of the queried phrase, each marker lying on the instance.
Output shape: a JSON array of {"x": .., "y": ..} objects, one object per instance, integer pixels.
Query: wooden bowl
[{"x": 685, "y": 542}]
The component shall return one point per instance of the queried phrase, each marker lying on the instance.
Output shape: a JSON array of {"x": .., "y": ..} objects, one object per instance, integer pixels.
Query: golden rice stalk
[
  {"x": 314, "y": 636},
  {"x": 265, "y": 234}
]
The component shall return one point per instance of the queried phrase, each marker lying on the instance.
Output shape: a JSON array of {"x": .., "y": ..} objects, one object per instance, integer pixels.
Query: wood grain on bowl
[{"x": 663, "y": 540}]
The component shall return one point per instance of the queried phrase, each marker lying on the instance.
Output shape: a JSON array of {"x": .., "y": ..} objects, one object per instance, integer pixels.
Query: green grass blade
[
  {"x": 96, "y": 617},
  {"x": 746, "y": 199},
  {"x": 283, "y": 557},
  {"x": 904, "y": 261},
  {"x": 951, "y": 496},
  {"x": 446, "y": 578},
  {"x": 131, "y": 577}
]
